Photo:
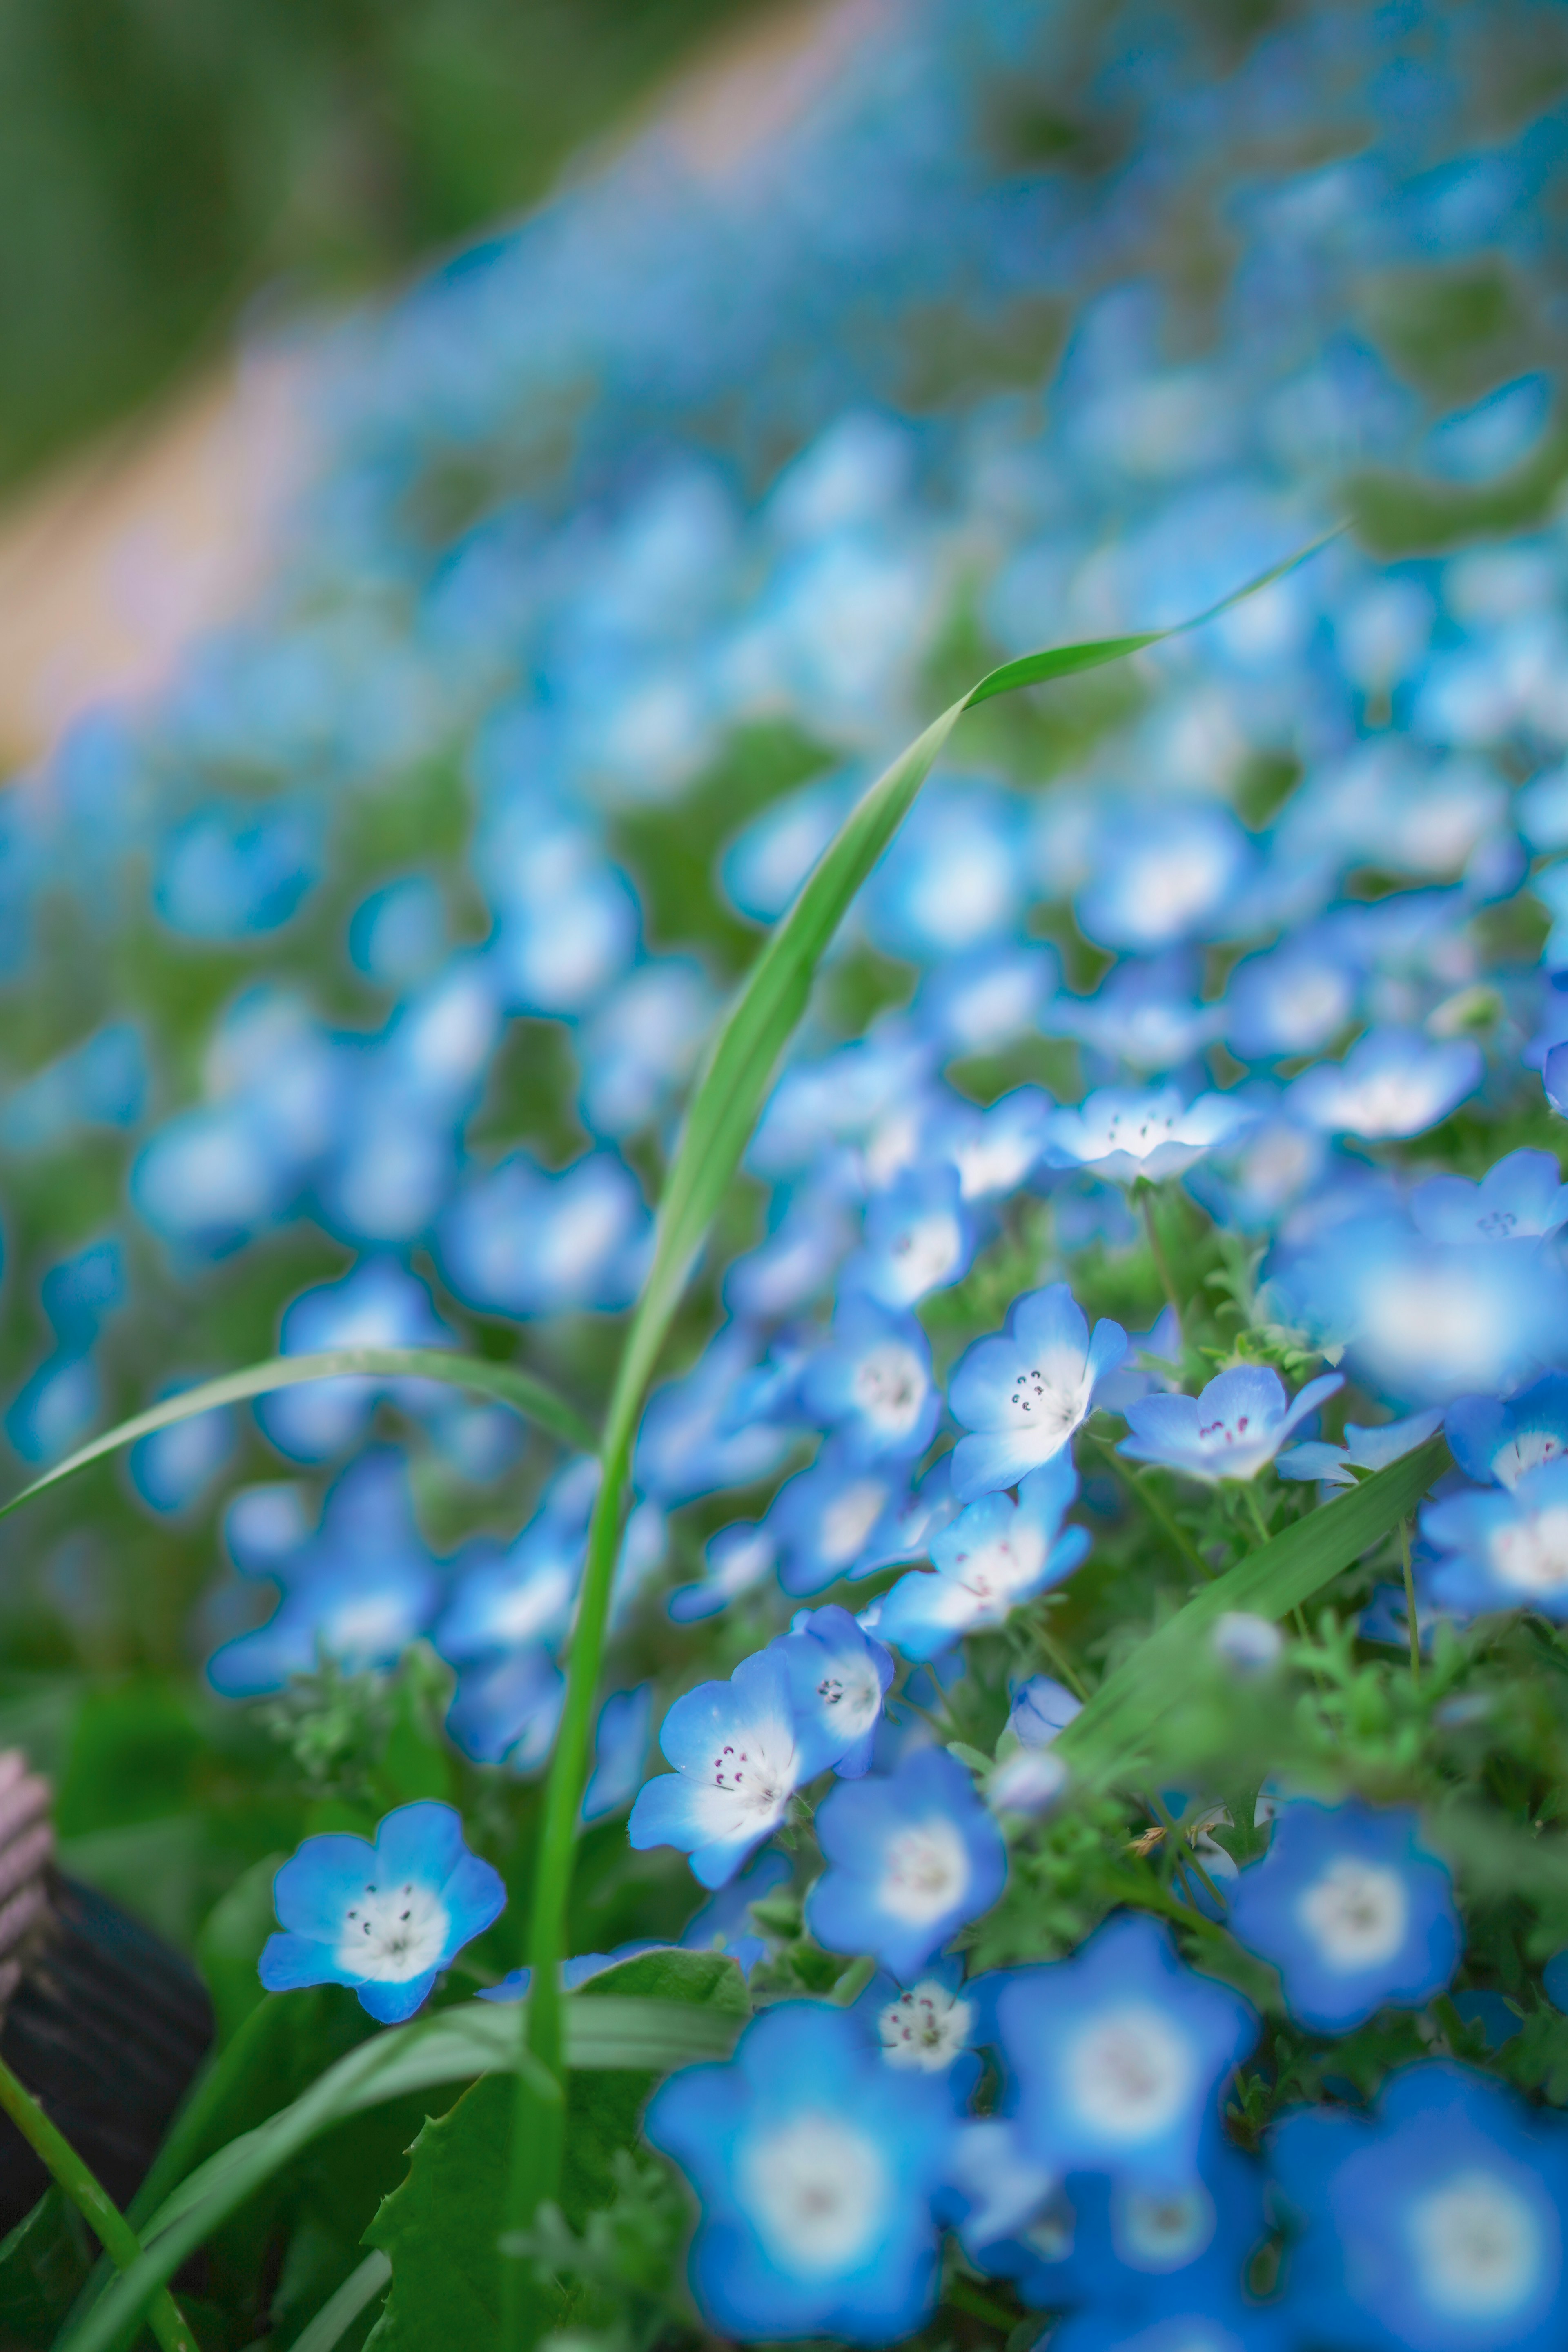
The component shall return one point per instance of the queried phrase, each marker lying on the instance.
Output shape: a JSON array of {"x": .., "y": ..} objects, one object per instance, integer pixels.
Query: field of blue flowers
[{"x": 820, "y": 1561}]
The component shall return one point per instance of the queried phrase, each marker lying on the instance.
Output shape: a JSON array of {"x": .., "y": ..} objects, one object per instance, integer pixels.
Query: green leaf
[
  {"x": 229, "y": 1943},
  {"x": 456, "y": 2045},
  {"x": 505, "y": 1382},
  {"x": 441, "y": 2227},
  {"x": 44, "y": 2263},
  {"x": 336, "y": 2316},
  {"x": 1105, "y": 1738}
]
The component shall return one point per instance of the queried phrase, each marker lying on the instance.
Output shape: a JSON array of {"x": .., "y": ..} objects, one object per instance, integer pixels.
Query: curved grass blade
[
  {"x": 736, "y": 1073},
  {"x": 503, "y": 1381},
  {"x": 1104, "y": 1739},
  {"x": 455, "y": 2046},
  {"x": 340, "y": 2311}
]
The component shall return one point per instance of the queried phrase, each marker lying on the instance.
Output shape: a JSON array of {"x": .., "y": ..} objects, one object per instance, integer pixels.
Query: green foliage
[{"x": 44, "y": 2265}]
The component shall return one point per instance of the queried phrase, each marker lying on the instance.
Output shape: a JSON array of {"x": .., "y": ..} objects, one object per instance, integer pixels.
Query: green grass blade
[
  {"x": 1271, "y": 1581},
  {"x": 454, "y": 2046},
  {"x": 503, "y": 1381}
]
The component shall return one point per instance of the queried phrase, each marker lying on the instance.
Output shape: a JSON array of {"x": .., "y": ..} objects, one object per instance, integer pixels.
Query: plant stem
[
  {"x": 98, "y": 2209},
  {"x": 1161, "y": 1262},
  {"x": 1055, "y": 1656},
  {"x": 965, "y": 2297},
  {"x": 1181, "y": 1847},
  {"x": 854, "y": 1981},
  {"x": 1410, "y": 1601},
  {"x": 1163, "y": 1520},
  {"x": 1255, "y": 1508}
]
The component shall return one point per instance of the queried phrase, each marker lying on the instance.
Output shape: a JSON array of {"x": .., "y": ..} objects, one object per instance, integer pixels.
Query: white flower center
[
  {"x": 1161, "y": 2233},
  {"x": 851, "y": 1696},
  {"x": 996, "y": 1570},
  {"x": 1357, "y": 1916},
  {"x": 1129, "y": 2073},
  {"x": 815, "y": 2189},
  {"x": 1526, "y": 1452},
  {"x": 848, "y": 1520},
  {"x": 891, "y": 1387},
  {"x": 1049, "y": 1398},
  {"x": 393, "y": 1933},
  {"x": 1478, "y": 2245},
  {"x": 925, "y": 1254},
  {"x": 925, "y": 1873},
  {"x": 926, "y": 2028},
  {"x": 1532, "y": 1554},
  {"x": 758, "y": 1784}
]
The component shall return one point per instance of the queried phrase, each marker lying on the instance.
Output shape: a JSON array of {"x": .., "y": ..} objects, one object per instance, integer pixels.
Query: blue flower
[
  {"x": 1496, "y": 1440},
  {"x": 620, "y": 1751},
  {"x": 1143, "y": 1014},
  {"x": 1391, "y": 1082},
  {"x": 994, "y": 1149},
  {"x": 835, "y": 1519},
  {"x": 1041, "y": 1710},
  {"x": 724, "y": 1924},
  {"x": 507, "y": 1706},
  {"x": 1162, "y": 875},
  {"x": 385, "y": 1918},
  {"x": 909, "y": 1859},
  {"x": 1522, "y": 1197},
  {"x": 816, "y": 2168},
  {"x": 737, "y": 1764},
  {"x": 1295, "y": 997},
  {"x": 927, "y": 2025},
  {"x": 1435, "y": 2225},
  {"x": 1364, "y": 1449},
  {"x": 981, "y": 1002},
  {"x": 952, "y": 879},
  {"x": 687, "y": 1446},
  {"x": 872, "y": 1383},
  {"x": 810, "y": 1229},
  {"x": 1119, "y": 2055},
  {"x": 1122, "y": 1133},
  {"x": 1352, "y": 1910},
  {"x": 1025, "y": 1392},
  {"x": 994, "y": 1555},
  {"x": 1503, "y": 1548},
  {"x": 517, "y": 1241},
  {"x": 839, "y": 1677},
  {"x": 918, "y": 1238},
  {"x": 378, "y": 1305},
  {"x": 735, "y": 1561},
  {"x": 1232, "y": 1429},
  {"x": 642, "y": 1044},
  {"x": 358, "y": 1591},
  {"x": 175, "y": 1465}
]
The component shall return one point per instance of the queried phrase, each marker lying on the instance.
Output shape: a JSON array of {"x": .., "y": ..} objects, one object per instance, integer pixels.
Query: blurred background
[{"x": 487, "y": 482}]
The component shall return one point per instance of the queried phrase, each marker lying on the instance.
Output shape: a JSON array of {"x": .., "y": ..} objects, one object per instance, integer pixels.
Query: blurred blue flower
[
  {"x": 734, "y": 1561},
  {"x": 1295, "y": 997},
  {"x": 918, "y": 1238},
  {"x": 1024, "y": 1391},
  {"x": 1041, "y": 1708},
  {"x": 1119, "y": 2055},
  {"x": 979, "y": 1002},
  {"x": 1393, "y": 1082},
  {"x": 378, "y": 1304},
  {"x": 175, "y": 1465},
  {"x": 1503, "y": 1548},
  {"x": 1495, "y": 1440},
  {"x": 994, "y": 1555},
  {"x": 910, "y": 1859},
  {"x": 637, "y": 1049},
  {"x": 1351, "y": 1908},
  {"x": 724, "y": 1924},
  {"x": 688, "y": 1443},
  {"x": 520, "y": 1241},
  {"x": 620, "y": 1752},
  {"x": 816, "y": 2168},
  {"x": 385, "y": 1916},
  {"x": 1162, "y": 875},
  {"x": 1435, "y": 2224},
  {"x": 835, "y": 1519},
  {"x": 1146, "y": 1015},
  {"x": 102, "y": 1082},
  {"x": 1364, "y": 1449},
  {"x": 872, "y": 1383},
  {"x": 1522, "y": 1197}
]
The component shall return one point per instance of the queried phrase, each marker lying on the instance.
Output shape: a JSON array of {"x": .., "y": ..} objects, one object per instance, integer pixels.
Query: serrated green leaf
[
  {"x": 1105, "y": 1738},
  {"x": 441, "y": 2228},
  {"x": 603, "y": 2031},
  {"x": 505, "y": 1382}
]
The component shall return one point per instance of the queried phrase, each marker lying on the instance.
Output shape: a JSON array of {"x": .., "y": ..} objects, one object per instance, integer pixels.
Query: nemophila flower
[
  {"x": 1502, "y": 1548},
  {"x": 1495, "y": 1440},
  {"x": 1273, "y": 1164},
  {"x": 975, "y": 1003},
  {"x": 833, "y": 1519},
  {"x": 918, "y": 1238},
  {"x": 1147, "y": 1014},
  {"x": 872, "y": 1383},
  {"x": 840, "y": 1098},
  {"x": 724, "y": 1924},
  {"x": 909, "y": 1859},
  {"x": 1250, "y": 1645},
  {"x": 380, "y": 1304},
  {"x": 620, "y": 1752},
  {"x": 1026, "y": 1390},
  {"x": 1041, "y": 1708},
  {"x": 1435, "y": 2224},
  {"x": 1221, "y": 2319},
  {"x": 737, "y": 1764},
  {"x": 1522, "y": 1197},
  {"x": 816, "y": 2168},
  {"x": 1352, "y": 1910},
  {"x": 1422, "y": 1322},
  {"x": 1162, "y": 874},
  {"x": 839, "y": 1677},
  {"x": 766, "y": 863},
  {"x": 1295, "y": 997},
  {"x": 803, "y": 1250},
  {"x": 1028, "y": 1783},
  {"x": 927, "y": 2025},
  {"x": 1391, "y": 1082},
  {"x": 995, "y": 1554},
  {"x": 952, "y": 879},
  {"x": 735, "y": 1561},
  {"x": 1123, "y": 1134},
  {"x": 173, "y": 1467},
  {"x": 1153, "y": 1362},
  {"x": 507, "y": 1706},
  {"x": 1232, "y": 1429},
  {"x": 686, "y": 1446},
  {"x": 993, "y": 1150},
  {"x": 521, "y": 1241},
  {"x": 358, "y": 1589},
  {"x": 385, "y": 1918},
  {"x": 1364, "y": 1449},
  {"x": 1120, "y": 2052},
  {"x": 641, "y": 1043}
]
